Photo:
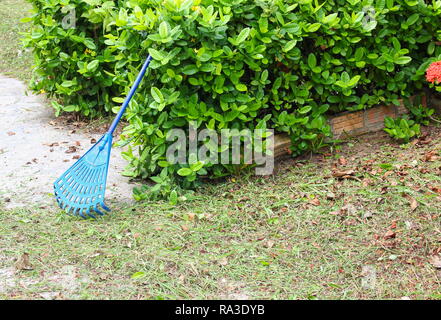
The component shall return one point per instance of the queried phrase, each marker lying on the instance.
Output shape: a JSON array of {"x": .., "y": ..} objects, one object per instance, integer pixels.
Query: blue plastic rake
[{"x": 81, "y": 189}]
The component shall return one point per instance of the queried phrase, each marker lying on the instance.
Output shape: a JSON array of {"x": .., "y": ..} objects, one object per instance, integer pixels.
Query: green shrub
[
  {"x": 401, "y": 129},
  {"x": 418, "y": 112},
  {"x": 281, "y": 64}
]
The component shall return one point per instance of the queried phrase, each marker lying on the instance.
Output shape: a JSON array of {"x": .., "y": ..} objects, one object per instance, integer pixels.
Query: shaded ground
[
  {"x": 15, "y": 61},
  {"x": 356, "y": 223},
  {"x": 362, "y": 221},
  {"x": 35, "y": 149}
]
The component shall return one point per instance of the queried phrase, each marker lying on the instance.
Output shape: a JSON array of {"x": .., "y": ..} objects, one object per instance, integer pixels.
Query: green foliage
[
  {"x": 401, "y": 129},
  {"x": 229, "y": 64}
]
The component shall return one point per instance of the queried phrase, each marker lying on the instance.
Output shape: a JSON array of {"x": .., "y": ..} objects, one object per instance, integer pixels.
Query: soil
[{"x": 36, "y": 148}]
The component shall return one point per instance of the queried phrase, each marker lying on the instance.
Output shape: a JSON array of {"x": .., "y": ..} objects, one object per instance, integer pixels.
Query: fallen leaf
[
  {"x": 184, "y": 227},
  {"x": 10, "y": 133},
  {"x": 389, "y": 234},
  {"x": 23, "y": 262},
  {"x": 50, "y": 295},
  {"x": 223, "y": 261},
  {"x": 367, "y": 182},
  {"x": 330, "y": 196},
  {"x": 349, "y": 209},
  {"x": 269, "y": 244},
  {"x": 342, "y": 174},
  {"x": 413, "y": 203},
  {"x": 71, "y": 149},
  {"x": 367, "y": 215},
  {"x": 431, "y": 156},
  {"x": 342, "y": 161}
]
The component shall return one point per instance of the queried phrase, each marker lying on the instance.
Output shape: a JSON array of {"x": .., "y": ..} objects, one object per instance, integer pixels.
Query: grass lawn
[
  {"x": 15, "y": 61},
  {"x": 300, "y": 234}
]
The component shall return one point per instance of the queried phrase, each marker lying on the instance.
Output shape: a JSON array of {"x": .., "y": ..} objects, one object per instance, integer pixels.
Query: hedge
[{"x": 239, "y": 64}]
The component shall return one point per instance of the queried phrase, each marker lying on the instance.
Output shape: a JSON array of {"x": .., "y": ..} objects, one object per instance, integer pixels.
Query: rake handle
[{"x": 130, "y": 95}]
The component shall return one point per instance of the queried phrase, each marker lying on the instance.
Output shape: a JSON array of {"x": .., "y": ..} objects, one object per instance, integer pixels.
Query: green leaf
[
  {"x": 312, "y": 60},
  {"x": 243, "y": 35},
  {"x": 190, "y": 69},
  {"x": 263, "y": 24},
  {"x": 118, "y": 99},
  {"x": 93, "y": 65},
  {"x": 412, "y": 19},
  {"x": 173, "y": 198},
  {"x": 305, "y": 109},
  {"x": 68, "y": 83},
  {"x": 156, "y": 54},
  {"x": 241, "y": 87},
  {"x": 289, "y": 45},
  {"x": 138, "y": 275},
  {"x": 313, "y": 27},
  {"x": 402, "y": 60}
]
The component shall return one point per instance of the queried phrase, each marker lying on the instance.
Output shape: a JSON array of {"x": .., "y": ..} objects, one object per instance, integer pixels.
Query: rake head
[{"x": 81, "y": 188}]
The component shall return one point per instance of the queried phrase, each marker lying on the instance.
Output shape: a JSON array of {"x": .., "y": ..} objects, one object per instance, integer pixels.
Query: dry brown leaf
[
  {"x": 184, "y": 227},
  {"x": 342, "y": 161},
  {"x": 342, "y": 174},
  {"x": 10, "y": 133},
  {"x": 71, "y": 149},
  {"x": 431, "y": 156},
  {"x": 435, "y": 261},
  {"x": 413, "y": 203}
]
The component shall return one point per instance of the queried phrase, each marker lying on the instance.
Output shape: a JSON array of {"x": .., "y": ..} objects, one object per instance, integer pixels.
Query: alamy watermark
[
  {"x": 228, "y": 146},
  {"x": 70, "y": 19}
]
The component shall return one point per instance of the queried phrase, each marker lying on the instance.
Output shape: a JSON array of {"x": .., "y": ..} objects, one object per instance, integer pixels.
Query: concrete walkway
[{"x": 34, "y": 151}]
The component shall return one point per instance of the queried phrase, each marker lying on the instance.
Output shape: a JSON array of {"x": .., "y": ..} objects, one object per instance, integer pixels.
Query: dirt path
[{"x": 34, "y": 151}]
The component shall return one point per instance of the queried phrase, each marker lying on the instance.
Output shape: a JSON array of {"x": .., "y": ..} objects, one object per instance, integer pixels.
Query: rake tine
[
  {"x": 90, "y": 214},
  {"x": 74, "y": 212},
  {"x": 97, "y": 210},
  {"x": 105, "y": 207}
]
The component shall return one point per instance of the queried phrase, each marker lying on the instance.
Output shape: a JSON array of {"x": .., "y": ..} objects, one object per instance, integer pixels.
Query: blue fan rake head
[{"x": 80, "y": 190}]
